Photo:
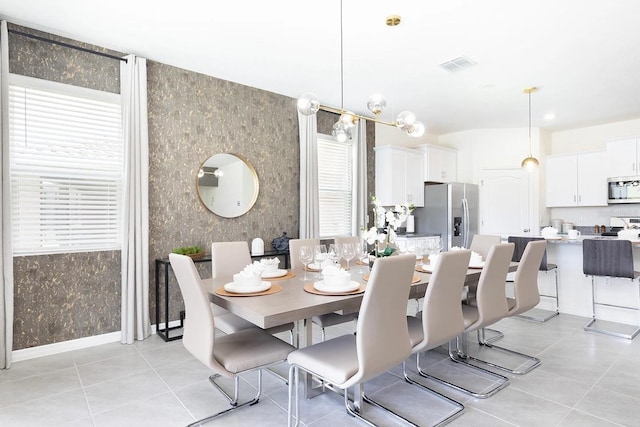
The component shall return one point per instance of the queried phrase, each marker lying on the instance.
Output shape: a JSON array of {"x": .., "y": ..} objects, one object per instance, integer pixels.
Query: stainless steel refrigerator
[{"x": 451, "y": 211}]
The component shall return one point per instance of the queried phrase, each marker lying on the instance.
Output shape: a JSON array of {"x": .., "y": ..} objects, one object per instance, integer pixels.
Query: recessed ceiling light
[{"x": 550, "y": 116}]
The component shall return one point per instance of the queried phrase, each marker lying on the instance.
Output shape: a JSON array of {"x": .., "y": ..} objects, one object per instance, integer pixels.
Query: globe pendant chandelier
[
  {"x": 309, "y": 104},
  {"x": 530, "y": 163}
]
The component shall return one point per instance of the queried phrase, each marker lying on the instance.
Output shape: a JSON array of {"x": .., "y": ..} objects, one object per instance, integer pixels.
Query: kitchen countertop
[{"x": 563, "y": 239}]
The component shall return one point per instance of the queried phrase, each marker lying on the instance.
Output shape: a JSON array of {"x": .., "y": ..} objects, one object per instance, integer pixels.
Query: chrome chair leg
[
  {"x": 232, "y": 401},
  {"x": 589, "y": 326},
  {"x": 460, "y": 357},
  {"x": 458, "y": 405},
  {"x": 485, "y": 343}
]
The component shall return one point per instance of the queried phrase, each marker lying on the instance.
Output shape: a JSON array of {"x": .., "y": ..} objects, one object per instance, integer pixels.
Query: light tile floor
[{"x": 585, "y": 379}]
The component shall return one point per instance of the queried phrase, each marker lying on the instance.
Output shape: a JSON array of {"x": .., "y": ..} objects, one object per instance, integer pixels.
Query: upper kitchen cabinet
[
  {"x": 440, "y": 163},
  {"x": 399, "y": 173},
  {"x": 624, "y": 157},
  {"x": 577, "y": 180}
]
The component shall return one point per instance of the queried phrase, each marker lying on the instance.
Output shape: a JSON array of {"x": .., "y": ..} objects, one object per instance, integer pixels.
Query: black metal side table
[{"x": 163, "y": 263}]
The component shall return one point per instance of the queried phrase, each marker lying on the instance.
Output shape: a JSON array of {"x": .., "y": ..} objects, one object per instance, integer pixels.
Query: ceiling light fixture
[
  {"x": 530, "y": 163},
  {"x": 309, "y": 104}
]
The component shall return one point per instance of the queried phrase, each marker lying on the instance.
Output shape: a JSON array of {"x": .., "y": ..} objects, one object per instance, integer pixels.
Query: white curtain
[
  {"x": 6, "y": 253},
  {"x": 309, "y": 199},
  {"x": 135, "y": 323},
  {"x": 360, "y": 197}
]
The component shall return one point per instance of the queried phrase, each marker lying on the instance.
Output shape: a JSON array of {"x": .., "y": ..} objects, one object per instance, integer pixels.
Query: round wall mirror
[{"x": 227, "y": 185}]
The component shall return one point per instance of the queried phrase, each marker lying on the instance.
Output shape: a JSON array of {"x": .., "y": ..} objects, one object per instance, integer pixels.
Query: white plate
[
  {"x": 233, "y": 288},
  {"x": 553, "y": 237},
  {"x": 428, "y": 268},
  {"x": 476, "y": 265},
  {"x": 314, "y": 266},
  {"x": 271, "y": 274},
  {"x": 320, "y": 286}
]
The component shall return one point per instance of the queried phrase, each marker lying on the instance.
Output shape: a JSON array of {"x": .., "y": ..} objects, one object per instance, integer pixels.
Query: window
[
  {"x": 66, "y": 154},
  {"x": 336, "y": 186}
]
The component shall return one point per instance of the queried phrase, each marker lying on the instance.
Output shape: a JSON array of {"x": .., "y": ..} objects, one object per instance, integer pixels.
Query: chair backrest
[
  {"x": 482, "y": 243},
  {"x": 199, "y": 324},
  {"x": 347, "y": 239},
  {"x": 525, "y": 284},
  {"x": 491, "y": 296},
  {"x": 521, "y": 244},
  {"x": 228, "y": 258},
  {"x": 608, "y": 258},
  {"x": 442, "y": 318},
  {"x": 382, "y": 334},
  {"x": 294, "y": 250}
]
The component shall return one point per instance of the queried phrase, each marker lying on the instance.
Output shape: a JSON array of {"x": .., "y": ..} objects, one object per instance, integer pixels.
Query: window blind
[
  {"x": 66, "y": 154},
  {"x": 335, "y": 187}
]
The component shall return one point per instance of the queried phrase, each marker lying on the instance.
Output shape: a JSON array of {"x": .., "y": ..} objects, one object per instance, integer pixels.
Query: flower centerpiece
[{"x": 382, "y": 235}]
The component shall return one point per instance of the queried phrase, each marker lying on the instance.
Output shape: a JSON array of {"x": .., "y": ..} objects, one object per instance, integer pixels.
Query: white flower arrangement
[{"x": 391, "y": 219}]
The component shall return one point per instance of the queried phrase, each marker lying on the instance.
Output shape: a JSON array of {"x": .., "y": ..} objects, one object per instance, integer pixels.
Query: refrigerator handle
[{"x": 465, "y": 223}]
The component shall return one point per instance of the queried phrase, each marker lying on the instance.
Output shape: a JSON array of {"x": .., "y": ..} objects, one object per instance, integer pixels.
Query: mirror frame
[{"x": 256, "y": 183}]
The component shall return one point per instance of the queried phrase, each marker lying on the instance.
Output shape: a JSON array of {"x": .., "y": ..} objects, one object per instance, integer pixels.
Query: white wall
[{"x": 593, "y": 137}]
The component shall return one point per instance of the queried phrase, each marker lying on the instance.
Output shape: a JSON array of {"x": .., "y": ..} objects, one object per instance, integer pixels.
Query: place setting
[
  {"x": 475, "y": 261},
  {"x": 335, "y": 281},
  {"x": 249, "y": 282},
  {"x": 272, "y": 272}
]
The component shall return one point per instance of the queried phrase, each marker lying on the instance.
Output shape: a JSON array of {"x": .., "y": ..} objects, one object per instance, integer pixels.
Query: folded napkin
[
  {"x": 270, "y": 261},
  {"x": 252, "y": 270},
  {"x": 334, "y": 275}
]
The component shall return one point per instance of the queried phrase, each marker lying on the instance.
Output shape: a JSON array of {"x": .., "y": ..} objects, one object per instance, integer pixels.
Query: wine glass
[
  {"x": 362, "y": 251},
  {"x": 421, "y": 250},
  {"x": 348, "y": 251},
  {"x": 306, "y": 257},
  {"x": 334, "y": 252},
  {"x": 320, "y": 255}
]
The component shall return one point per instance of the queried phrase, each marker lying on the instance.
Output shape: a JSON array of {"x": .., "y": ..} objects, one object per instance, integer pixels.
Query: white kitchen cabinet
[
  {"x": 624, "y": 157},
  {"x": 440, "y": 163},
  {"x": 577, "y": 180},
  {"x": 399, "y": 173}
]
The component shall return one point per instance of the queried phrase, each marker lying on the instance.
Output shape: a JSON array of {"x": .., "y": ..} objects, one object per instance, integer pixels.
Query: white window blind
[
  {"x": 335, "y": 187},
  {"x": 66, "y": 167}
]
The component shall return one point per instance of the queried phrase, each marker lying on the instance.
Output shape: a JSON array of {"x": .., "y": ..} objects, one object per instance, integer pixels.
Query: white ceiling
[{"x": 583, "y": 55}]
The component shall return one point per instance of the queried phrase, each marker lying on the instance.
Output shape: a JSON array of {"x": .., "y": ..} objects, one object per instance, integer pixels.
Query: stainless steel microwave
[{"x": 624, "y": 189}]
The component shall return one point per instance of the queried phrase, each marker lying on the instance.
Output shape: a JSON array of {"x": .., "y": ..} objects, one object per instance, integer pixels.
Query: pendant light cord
[
  {"x": 530, "y": 155},
  {"x": 341, "y": 61}
]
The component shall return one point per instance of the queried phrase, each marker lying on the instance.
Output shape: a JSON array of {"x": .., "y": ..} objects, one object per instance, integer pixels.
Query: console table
[{"x": 163, "y": 263}]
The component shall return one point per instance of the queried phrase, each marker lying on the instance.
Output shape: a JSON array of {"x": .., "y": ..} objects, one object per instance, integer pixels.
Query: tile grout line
[{"x": 84, "y": 393}]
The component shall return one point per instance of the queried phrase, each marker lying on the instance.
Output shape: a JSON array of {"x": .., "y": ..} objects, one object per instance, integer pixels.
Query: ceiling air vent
[{"x": 457, "y": 64}]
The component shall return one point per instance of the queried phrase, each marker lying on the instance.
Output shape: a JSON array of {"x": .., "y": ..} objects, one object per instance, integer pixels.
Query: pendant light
[
  {"x": 308, "y": 103},
  {"x": 530, "y": 163}
]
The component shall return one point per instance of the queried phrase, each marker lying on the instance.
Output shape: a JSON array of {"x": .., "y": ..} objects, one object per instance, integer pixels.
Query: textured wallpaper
[{"x": 191, "y": 117}]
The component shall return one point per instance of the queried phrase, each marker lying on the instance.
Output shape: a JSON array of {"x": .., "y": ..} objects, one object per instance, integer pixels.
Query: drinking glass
[
  {"x": 306, "y": 257},
  {"x": 421, "y": 250},
  {"x": 334, "y": 252},
  {"x": 362, "y": 251},
  {"x": 320, "y": 255},
  {"x": 348, "y": 251}
]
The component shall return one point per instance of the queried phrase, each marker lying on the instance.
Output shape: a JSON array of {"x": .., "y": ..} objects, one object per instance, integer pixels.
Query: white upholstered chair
[
  {"x": 323, "y": 320},
  {"x": 227, "y": 355},
  {"x": 482, "y": 243},
  {"x": 381, "y": 341},
  {"x": 491, "y": 306},
  {"x": 227, "y": 259},
  {"x": 441, "y": 317},
  {"x": 526, "y": 297}
]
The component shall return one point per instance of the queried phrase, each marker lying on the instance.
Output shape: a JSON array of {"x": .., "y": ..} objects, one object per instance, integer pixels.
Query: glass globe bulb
[
  {"x": 376, "y": 103},
  {"x": 349, "y": 119},
  {"x": 200, "y": 173},
  {"x": 340, "y": 132},
  {"x": 308, "y": 104},
  {"x": 405, "y": 119},
  {"x": 416, "y": 130},
  {"x": 530, "y": 163}
]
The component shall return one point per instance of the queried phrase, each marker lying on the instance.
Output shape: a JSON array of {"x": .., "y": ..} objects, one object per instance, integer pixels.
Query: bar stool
[
  {"x": 608, "y": 258},
  {"x": 521, "y": 244}
]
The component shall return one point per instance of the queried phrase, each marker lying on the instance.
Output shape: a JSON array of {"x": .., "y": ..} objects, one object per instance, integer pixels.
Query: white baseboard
[{"x": 63, "y": 346}]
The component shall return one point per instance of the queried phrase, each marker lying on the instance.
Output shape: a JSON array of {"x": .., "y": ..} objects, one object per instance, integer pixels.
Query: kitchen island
[{"x": 574, "y": 287}]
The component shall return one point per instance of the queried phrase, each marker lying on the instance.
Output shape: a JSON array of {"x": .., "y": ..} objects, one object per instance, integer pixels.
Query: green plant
[{"x": 188, "y": 250}]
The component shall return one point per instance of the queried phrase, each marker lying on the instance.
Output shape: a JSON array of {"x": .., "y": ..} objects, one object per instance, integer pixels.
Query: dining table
[{"x": 292, "y": 303}]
